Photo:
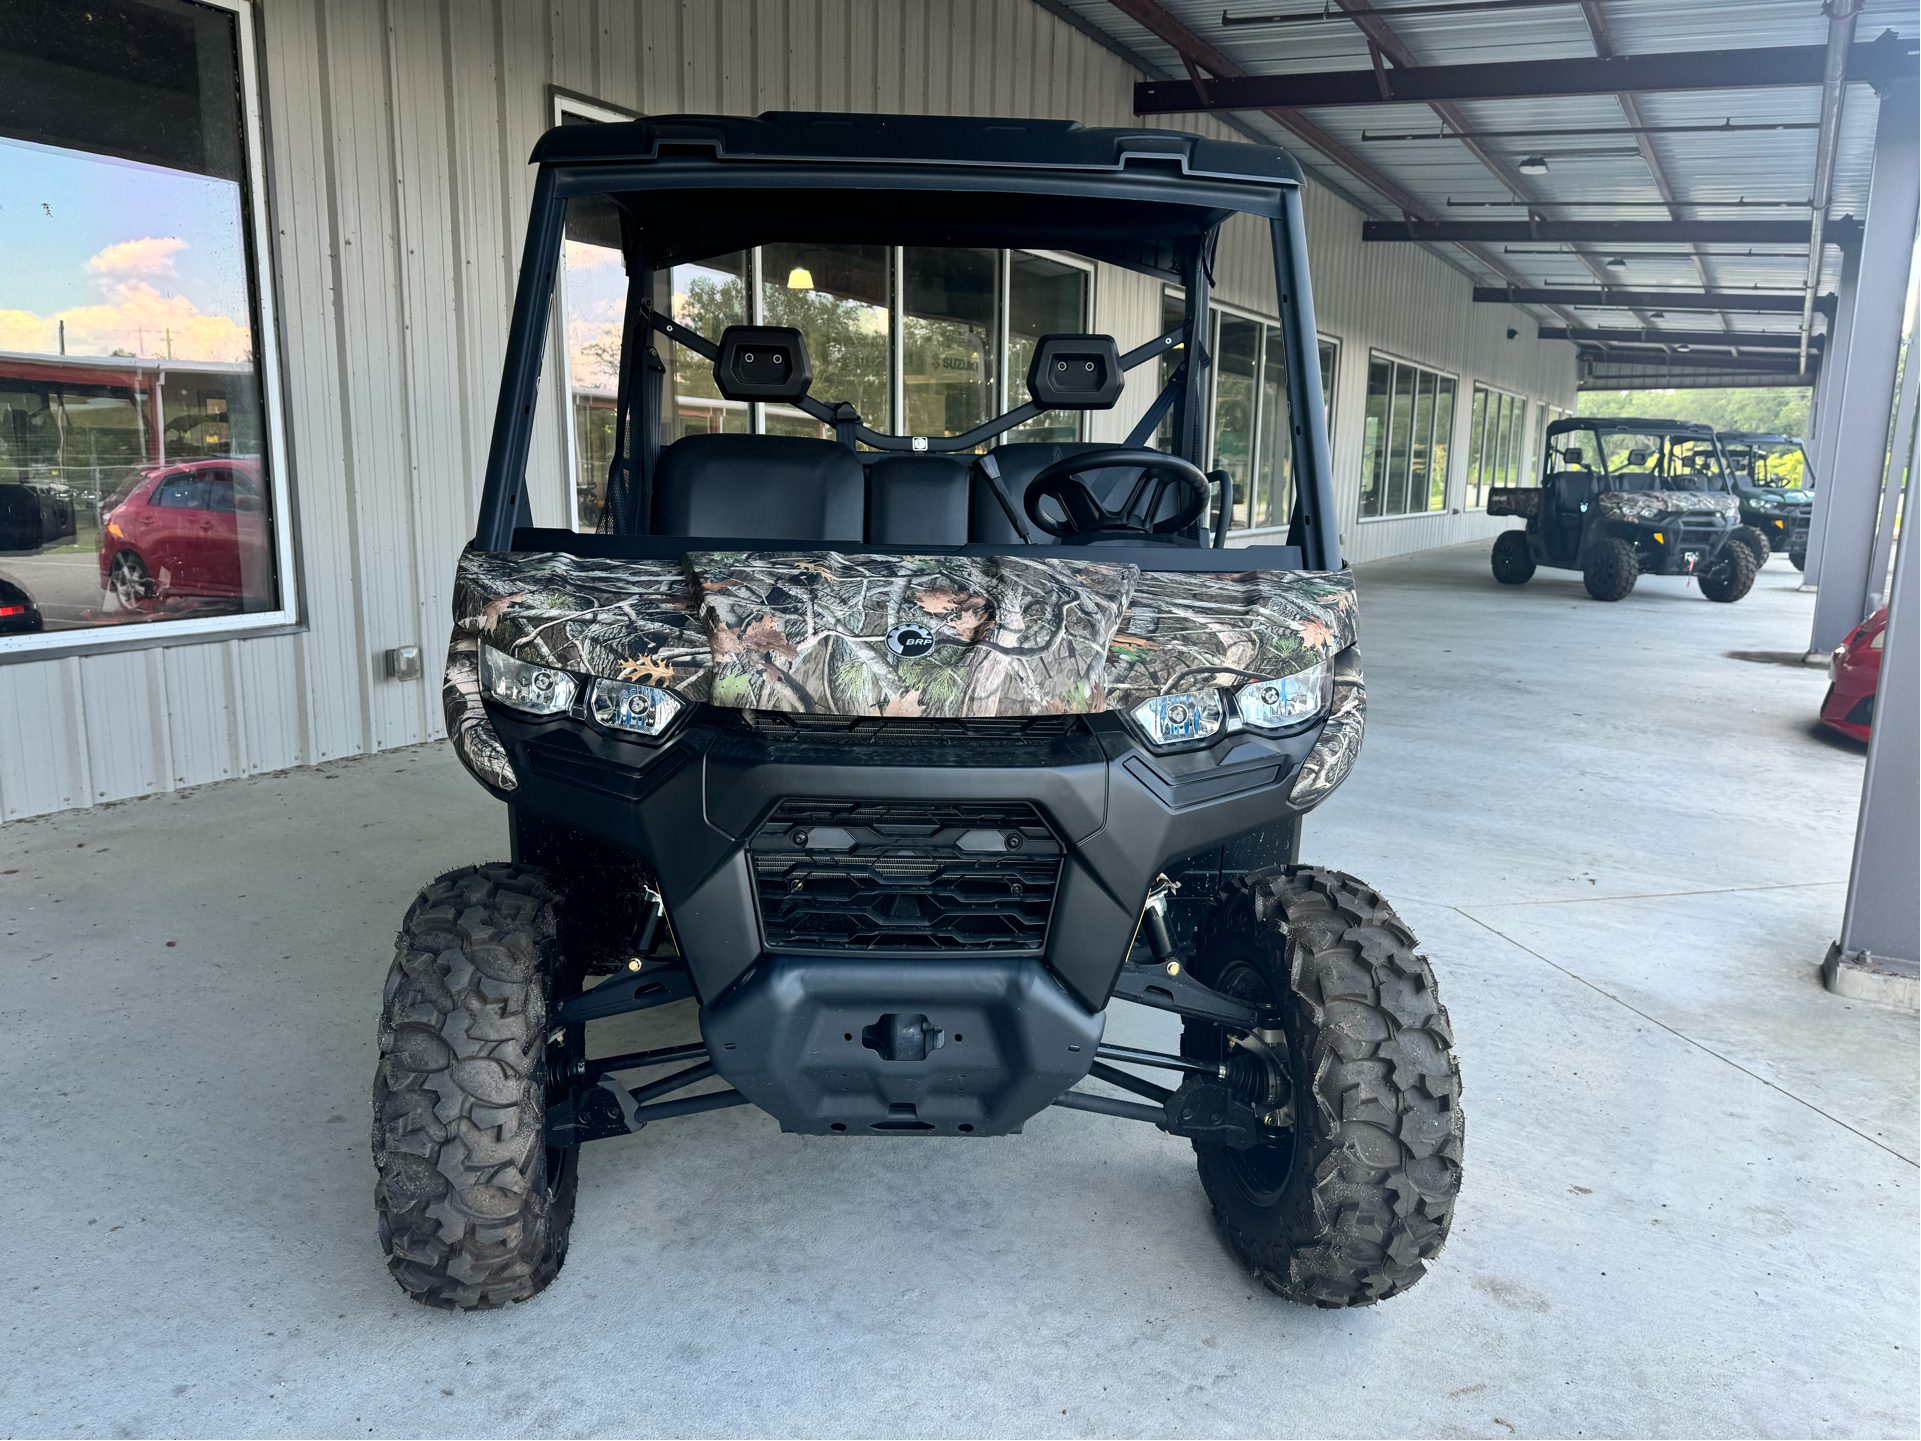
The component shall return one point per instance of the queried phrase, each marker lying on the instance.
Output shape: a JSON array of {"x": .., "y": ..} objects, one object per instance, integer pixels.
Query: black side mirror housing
[
  {"x": 1075, "y": 372},
  {"x": 763, "y": 362}
]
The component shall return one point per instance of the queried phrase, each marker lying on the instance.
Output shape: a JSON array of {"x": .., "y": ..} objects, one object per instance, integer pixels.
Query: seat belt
[
  {"x": 990, "y": 468},
  {"x": 1162, "y": 404}
]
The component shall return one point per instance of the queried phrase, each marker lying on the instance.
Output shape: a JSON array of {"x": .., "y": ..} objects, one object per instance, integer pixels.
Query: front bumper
[
  {"x": 926, "y": 1046},
  {"x": 711, "y": 815}
]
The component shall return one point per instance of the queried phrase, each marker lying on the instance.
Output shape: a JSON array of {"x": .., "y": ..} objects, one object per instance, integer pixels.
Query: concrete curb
[{"x": 1879, "y": 980}]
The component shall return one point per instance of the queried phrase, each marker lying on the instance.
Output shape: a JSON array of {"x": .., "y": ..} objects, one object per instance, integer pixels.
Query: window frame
[
  {"x": 260, "y": 256},
  {"x": 1522, "y": 426},
  {"x": 1395, "y": 364}
]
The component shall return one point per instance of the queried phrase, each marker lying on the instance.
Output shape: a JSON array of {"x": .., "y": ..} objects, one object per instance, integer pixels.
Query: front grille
[
  {"x": 798, "y": 725},
  {"x": 906, "y": 877}
]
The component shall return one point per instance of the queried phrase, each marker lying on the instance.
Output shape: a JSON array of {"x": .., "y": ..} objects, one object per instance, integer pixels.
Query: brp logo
[{"x": 910, "y": 642}]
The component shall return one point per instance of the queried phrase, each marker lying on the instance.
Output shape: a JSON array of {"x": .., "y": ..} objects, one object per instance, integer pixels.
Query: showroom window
[
  {"x": 1248, "y": 432},
  {"x": 1496, "y": 444},
  {"x": 141, "y": 483},
  {"x": 921, "y": 341},
  {"x": 1405, "y": 439}
]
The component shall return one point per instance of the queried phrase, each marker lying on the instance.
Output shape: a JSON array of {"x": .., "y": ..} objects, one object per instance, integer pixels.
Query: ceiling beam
[
  {"x": 1702, "y": 360},
  {"x": 1196, "y": 51},
  {"x": 1608, "y": 232},
  {"x": 1887, "y": 58},
  {"x": 1612, "y": 299},
  {"x": 1384, "y": 42},
  {"x": 1746, "y": 340}
]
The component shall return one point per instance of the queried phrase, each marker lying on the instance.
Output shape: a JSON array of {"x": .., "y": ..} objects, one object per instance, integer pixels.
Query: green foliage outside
[{"x": 1776, "y": 410}]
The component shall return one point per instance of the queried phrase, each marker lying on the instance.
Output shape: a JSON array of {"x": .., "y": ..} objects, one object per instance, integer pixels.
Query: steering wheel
[{"x": 1061, "y": 483}]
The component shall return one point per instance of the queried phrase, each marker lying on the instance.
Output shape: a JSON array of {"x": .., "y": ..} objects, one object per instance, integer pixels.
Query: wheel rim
[
  {"x": 1259, "y": 1173},
  {"x": 129, "y": 579}
]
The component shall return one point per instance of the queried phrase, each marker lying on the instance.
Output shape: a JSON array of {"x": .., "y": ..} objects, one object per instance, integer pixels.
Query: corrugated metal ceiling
[{"x": 1590, "y": 175}]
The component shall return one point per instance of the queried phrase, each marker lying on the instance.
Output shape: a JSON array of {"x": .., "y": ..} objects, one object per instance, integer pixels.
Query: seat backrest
[
  {"x": 918, "y": 499},
  {"x": 1572, "y": 488},
  {"x": 759, "y": 487}
]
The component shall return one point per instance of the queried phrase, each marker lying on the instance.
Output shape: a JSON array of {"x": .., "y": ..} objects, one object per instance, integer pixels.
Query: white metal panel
[
  {"x": 45, "y": 755},
  {"x": 203, "y": 742}
]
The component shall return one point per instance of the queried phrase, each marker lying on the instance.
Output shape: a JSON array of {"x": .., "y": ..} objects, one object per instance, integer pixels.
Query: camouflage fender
[
  {"x": 475, "y": 740},
  {"x": 1184, "y": 629},
  {"x": 944, "y": 636},
  {"x": 1639, "y": 506},
  {"x": 622, "y": 619},
  {"x": 1339, "y": 745}
]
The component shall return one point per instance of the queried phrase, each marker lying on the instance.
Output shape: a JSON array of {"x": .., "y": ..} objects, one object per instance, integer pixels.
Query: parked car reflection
[
  {"x": 18, "y": 614},
  {"x": 194, "y": 530}
]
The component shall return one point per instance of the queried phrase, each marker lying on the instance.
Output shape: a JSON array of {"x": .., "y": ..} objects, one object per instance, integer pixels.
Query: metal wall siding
[{"x": 399, "y": 132}]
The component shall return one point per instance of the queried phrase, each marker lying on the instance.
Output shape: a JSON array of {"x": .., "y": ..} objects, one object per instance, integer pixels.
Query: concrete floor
[{"x": 1690, "y": 1199}]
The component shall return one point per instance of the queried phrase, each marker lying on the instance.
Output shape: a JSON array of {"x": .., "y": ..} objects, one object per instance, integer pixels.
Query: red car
[
  {"x": 195, "y": 529},
  {"x": 1855, "y": 669}
]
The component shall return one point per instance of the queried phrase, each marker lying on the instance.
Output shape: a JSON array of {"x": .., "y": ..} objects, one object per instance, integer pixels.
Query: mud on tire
[
  {"x": 474, "y": 1209},
  {"x": 1350, "y": 1206}
]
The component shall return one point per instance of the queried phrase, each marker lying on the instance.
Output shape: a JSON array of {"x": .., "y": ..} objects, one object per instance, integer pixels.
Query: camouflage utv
[
  {"x": 904, "y": 758},
  {"x": 1624, "y": 498}
]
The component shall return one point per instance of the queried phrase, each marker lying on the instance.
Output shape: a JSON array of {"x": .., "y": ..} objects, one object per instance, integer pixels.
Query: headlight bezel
[
  {"x": 605, "y": 700},
  {"x": 508, "y": 682},
  {"x": 539, "y": 691},
  {"x": 1233, "y": 717}
]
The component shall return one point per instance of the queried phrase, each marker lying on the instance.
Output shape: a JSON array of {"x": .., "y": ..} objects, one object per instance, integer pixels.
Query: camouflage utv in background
[
  {"x": 1623, "y": 498},
  {"x": 896, "y": 761}
]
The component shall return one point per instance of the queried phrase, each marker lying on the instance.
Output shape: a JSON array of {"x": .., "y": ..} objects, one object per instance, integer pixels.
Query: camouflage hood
[
  {"x": 941, "y": 636},
  {"x": 1646, "y": 505}
]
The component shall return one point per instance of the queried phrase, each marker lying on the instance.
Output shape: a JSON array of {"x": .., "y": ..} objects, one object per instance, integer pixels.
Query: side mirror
[
  {"x": 1571, "y": 458},
  {"x": 246, "y": 504},
  {"x": 762, "y": 362},
  {"x": 1075, "y": 372},
  {"x": 1638, "y": 456}
]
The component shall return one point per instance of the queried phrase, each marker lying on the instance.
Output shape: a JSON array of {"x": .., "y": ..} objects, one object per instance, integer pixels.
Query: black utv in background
[
  {"x": 1775, "y": 484},
  {"x": 1623, "y": 498}
]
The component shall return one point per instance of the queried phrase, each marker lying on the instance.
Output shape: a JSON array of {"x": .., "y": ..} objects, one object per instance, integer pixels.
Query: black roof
[
  {"x": 1629, "y": 423},
  {"x": 1760, "y": 435},
  {"x": 931, "y": 140},
  {"x": 1137, "y": 197}
]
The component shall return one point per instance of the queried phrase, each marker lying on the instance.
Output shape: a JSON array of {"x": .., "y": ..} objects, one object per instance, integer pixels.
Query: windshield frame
[{"x": 504, "y": 501}]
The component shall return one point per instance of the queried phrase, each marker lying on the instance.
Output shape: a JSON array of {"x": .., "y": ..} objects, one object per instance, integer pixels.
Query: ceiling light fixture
[
  {"x": 800, "y": 278},
  {"x": 1619, "y": 262},
  {"x": 1533, "y": 165}
]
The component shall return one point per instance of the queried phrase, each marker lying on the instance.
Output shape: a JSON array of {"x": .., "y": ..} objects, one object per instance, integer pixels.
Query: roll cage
[
  {"x": 1666, "y": 469},
  {"x": 684, "y": 188}
]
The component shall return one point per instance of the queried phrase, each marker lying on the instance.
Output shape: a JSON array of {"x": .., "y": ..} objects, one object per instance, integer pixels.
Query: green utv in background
[
  {"x": 905, "y": 757},
  {"x": 1622, "y": 498},
  {"x": 1775, "y": 485}
]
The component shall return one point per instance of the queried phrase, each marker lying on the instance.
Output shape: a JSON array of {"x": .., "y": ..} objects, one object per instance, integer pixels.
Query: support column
[
  {"x": 1851, "y": 494},
  {"x": 1899, "y": 453},
  {"x": 1827, "y": 406},
  {"x": 1876, "y": 957}
]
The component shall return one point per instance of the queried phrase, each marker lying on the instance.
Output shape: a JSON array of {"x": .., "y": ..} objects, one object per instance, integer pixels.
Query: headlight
[
  {"x": 1287, "y": 703},
  {"x": 535, "y": 689},
  {"x": 1172, "y": 719},
  {"x": 644, "y": 709}
]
